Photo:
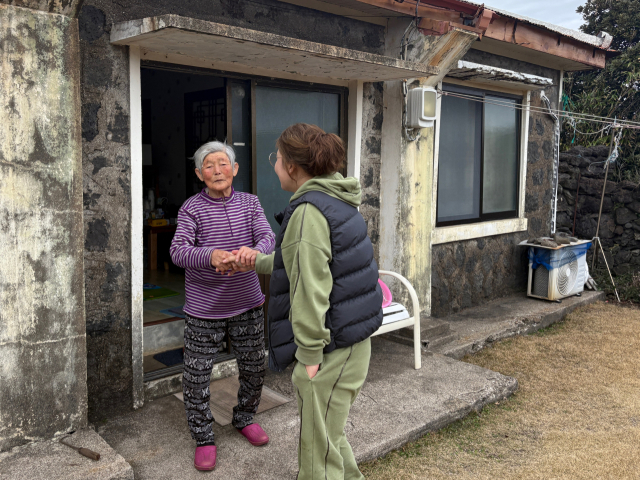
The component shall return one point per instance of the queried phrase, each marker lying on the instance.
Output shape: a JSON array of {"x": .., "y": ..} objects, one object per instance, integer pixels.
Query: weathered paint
[
  {"x": 42, "y": 325},
  {"x": 407, "y": 166}
]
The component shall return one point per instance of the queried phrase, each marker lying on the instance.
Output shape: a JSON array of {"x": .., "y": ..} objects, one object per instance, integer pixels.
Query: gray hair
[{"x": 213, "y": 147}]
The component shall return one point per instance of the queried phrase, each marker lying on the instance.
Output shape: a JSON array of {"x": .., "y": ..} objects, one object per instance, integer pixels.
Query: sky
[{"x": 558, "y": 12}]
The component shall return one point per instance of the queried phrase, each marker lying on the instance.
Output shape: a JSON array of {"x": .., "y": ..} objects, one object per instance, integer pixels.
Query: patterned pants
[{"x": 202, "y": 344}]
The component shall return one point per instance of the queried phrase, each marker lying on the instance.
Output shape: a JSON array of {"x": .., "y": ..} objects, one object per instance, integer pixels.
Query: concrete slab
[
  {"x": 397, "y": 404},
  {"x": 480, "y": 326},
  {"x": 52, "y": 461}
]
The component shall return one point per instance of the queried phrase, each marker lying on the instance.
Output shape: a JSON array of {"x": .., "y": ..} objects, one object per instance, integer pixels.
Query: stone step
[
  {"x": 442, "y": 340},
  {"x": 426, "y": 343},
  {"x": 50, "y": 460}
]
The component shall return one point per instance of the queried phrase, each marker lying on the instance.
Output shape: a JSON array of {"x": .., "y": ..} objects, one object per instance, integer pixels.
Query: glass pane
[
  {"x": 500, "y": 176},
  {"x": 241, "y": 133},
  {"x": 459, "y": 159},
  {"x": 276, "y": 109}
]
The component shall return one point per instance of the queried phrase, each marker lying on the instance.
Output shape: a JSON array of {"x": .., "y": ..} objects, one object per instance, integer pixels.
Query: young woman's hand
[
  {"x": 246, "y": 257},
  {"x": 312, "y": 370}
]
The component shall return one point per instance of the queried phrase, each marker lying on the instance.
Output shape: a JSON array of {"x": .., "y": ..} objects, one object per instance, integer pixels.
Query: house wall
[
  {"x": 42, "y": 326},
  {"x": 106, "y": 161},
  {"x": 372, "y": 115},
  {"x": 467, "y": 273}
]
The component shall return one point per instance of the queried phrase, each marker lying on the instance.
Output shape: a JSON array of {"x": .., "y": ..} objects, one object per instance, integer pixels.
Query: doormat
[
  {"x": 170, "y": 357},
  {"x": 224, "y": 396},
  {"x": 153, "y": 292}
]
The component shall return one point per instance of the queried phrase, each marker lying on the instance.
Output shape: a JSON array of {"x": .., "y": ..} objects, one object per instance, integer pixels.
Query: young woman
[{"x": 325, "y": 300}]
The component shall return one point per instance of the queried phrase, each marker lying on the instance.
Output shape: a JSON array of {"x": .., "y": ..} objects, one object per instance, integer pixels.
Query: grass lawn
[{"x": 575, "y": 415}]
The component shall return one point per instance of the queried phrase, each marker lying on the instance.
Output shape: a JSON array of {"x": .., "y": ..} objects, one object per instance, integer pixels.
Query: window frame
[{"x": 485, "y": 217}]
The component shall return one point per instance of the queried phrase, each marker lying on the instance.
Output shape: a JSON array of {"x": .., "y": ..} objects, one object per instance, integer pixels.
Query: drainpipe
[{"x": 556, "y": 152}]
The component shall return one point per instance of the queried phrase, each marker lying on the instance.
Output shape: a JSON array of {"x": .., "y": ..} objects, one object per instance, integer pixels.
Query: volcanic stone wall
[
  {"x": 619, "y": 225},
  {"x": 372, "y": 111}
]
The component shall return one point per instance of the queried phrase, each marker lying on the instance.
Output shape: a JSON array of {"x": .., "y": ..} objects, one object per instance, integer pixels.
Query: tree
[{"x": 613, "y": 91}]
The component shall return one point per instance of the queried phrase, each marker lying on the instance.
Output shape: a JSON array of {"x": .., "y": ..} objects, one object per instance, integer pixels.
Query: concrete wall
[
  {"x": 406, "y": 170},
  {"x": 471, "y": 272},
  {"x": 42, "y": 325},
  {"x": 106, "y": 161}
]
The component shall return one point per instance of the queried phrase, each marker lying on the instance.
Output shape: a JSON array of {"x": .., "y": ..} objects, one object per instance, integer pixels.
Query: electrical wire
[
  {"x": 508, "y": 103},
  {"x": 560, "y": 113},
  {"x": 563, "y": 113}
]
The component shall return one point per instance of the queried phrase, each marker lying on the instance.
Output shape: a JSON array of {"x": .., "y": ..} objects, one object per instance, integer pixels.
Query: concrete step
[
  {"x": 50, "y": 460},
  {"x": 442, "y": 340},
  {"x": 433, "y": 332},
  {"x": 404, "y": 404},
  {"x": 429, "y": 328}
]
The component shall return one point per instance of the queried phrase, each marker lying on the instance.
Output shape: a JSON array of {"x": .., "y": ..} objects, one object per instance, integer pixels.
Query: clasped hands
[{"x": 228, "y": 263}]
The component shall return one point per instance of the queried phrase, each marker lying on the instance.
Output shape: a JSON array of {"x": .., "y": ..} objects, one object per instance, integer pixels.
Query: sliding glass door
[{"x": 275, "y": 110}]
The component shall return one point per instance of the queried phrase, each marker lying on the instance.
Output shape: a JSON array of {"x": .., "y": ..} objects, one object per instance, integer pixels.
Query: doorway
[{"x": 182, "y": 108}]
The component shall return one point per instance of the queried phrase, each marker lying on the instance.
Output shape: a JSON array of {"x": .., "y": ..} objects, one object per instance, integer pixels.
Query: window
[{"x": 478, "y": 160}]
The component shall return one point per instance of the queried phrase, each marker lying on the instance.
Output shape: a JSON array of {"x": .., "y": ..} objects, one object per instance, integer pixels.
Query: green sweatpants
[{"x": 323, "y": 404}]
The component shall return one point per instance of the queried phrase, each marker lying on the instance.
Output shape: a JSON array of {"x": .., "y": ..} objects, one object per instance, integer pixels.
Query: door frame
[{"x": 351, "y": 131}]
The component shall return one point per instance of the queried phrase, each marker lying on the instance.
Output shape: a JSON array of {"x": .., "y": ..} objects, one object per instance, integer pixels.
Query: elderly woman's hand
[{"x": 222, "y": 261}]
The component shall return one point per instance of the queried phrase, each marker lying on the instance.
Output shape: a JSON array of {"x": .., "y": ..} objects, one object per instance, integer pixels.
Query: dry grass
[{"x": 576, "y": 414}]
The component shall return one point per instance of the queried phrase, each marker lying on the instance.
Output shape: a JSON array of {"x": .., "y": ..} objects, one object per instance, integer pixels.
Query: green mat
[{"x": 156, "y": 293}]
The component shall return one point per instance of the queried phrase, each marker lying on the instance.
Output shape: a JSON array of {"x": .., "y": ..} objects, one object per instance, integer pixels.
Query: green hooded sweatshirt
[{"x": 306, "y": 252}]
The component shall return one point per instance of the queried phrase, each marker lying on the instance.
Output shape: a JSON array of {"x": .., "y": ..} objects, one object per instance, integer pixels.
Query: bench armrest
[
  {"x": 417, "y": 343},
  {"x": 409, "y": 287}
]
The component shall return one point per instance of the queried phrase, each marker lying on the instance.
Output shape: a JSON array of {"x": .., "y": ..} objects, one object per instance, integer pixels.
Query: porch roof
[{"x": 226, "y": 47}]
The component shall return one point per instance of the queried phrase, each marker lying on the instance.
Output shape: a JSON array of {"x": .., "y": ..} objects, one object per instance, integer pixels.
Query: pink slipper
[
  {"x": 205, "y": 458},
  {"x": 255, "y": 434}
]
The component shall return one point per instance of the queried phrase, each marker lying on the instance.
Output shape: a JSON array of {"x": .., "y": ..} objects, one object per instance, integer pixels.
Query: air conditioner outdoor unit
[{"x": 558, "y": 273}]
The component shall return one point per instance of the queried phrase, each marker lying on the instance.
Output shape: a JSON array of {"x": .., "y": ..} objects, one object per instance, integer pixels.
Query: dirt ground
[{"x": 575, "y": 415}]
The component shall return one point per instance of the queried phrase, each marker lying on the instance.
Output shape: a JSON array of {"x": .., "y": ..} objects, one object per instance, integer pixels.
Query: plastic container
[{"x": 387, "y": 298}]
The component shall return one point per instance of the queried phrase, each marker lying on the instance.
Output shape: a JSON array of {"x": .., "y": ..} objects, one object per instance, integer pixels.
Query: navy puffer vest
[{"x": 355, "y": 310}]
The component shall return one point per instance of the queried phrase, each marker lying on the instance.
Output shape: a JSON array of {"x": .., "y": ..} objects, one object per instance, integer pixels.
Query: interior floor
[
  {"x": 164, "y": 279},
  {"x": 163, "y": 330}
]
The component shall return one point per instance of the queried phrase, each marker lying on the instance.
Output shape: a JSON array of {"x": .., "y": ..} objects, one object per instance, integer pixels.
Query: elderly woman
[{"x": 210, "y": 225}]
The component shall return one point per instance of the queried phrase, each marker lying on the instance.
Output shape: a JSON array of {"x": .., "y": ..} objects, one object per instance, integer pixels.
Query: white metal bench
[{"x": 396, "y": 317}]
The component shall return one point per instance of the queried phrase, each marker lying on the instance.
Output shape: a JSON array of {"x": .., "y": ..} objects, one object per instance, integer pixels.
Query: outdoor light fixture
[{"x": 421, "y": 107}]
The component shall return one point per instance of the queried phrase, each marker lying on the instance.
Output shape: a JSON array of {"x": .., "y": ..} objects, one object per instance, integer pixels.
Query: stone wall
[
  {"x": 42, "y": 326},
  {"x": 372, "y": 110},
  {"x": 468, "y": 273},
  {"x": 619, "y": 225},
  {"x": 106, "y": 160}
]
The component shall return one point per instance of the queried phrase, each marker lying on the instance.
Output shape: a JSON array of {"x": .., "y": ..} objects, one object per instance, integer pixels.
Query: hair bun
[{"x": 314, "y": 150}]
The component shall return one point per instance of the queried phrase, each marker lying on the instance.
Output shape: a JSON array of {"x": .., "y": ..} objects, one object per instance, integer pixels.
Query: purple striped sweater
[{"x": 206, "y": 224}]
